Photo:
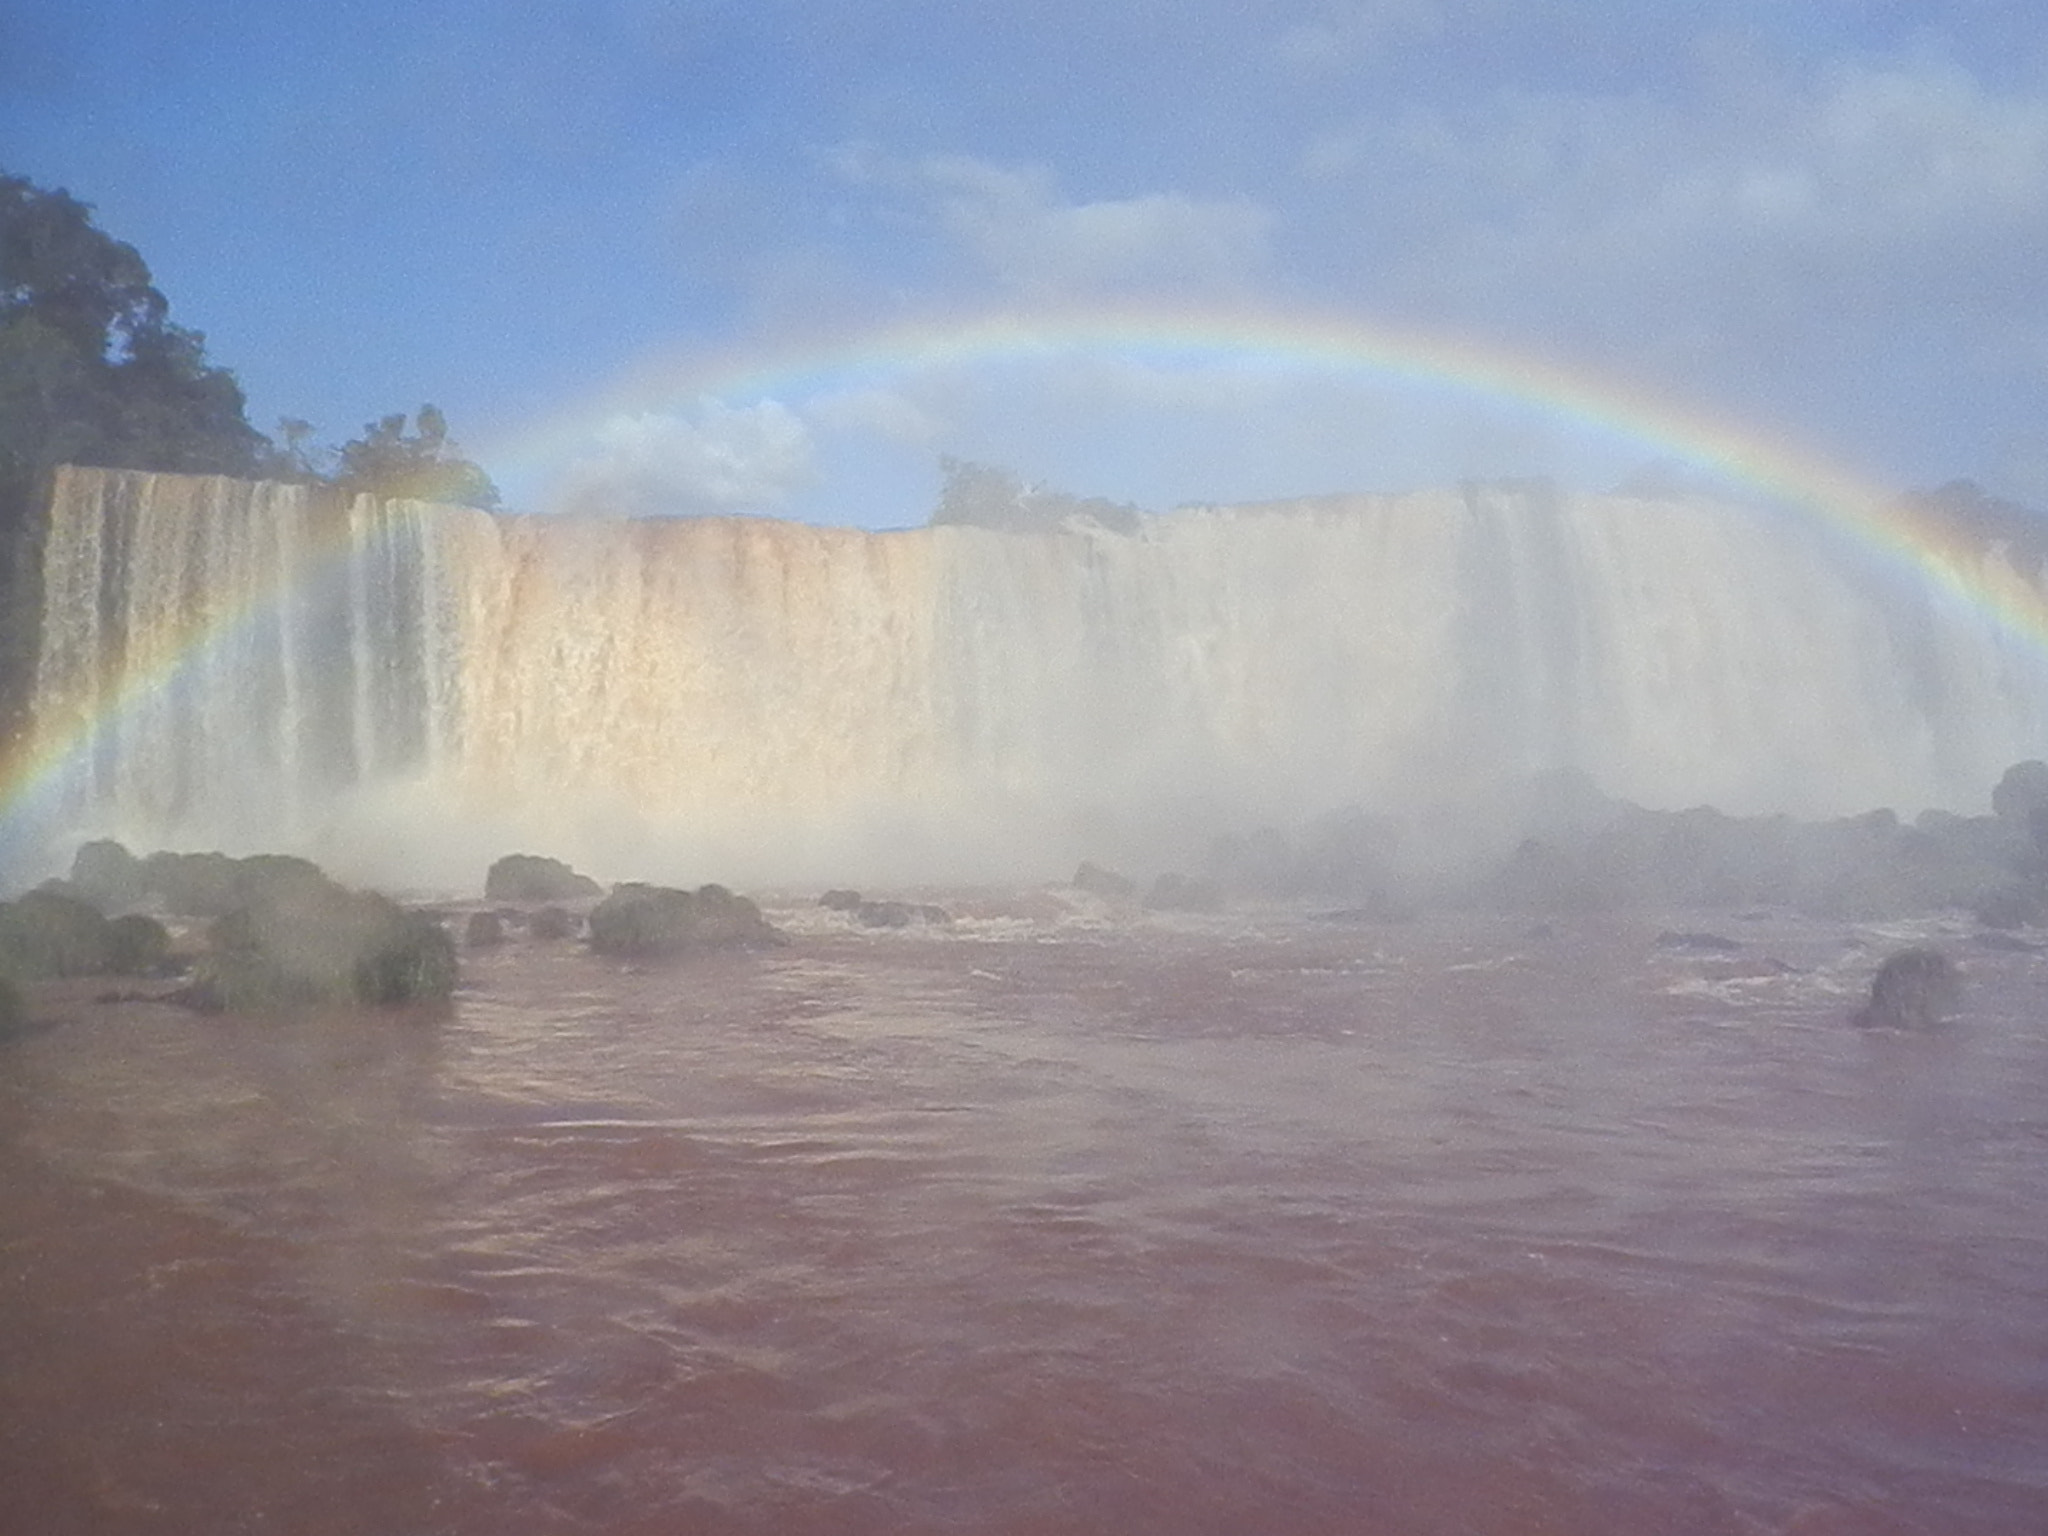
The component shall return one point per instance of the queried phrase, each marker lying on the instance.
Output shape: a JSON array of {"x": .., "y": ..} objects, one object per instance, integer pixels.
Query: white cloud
[
  {"x": 884, "y": 413},
  {"x": 1012, "y": 223},
  {"x": 721, "y": 459},
  {"x": 1740, "y": 217}
]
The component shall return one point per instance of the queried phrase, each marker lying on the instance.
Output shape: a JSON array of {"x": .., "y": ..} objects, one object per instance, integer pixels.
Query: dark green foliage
[
  {"x": 988, "y": 496},
  {"x": 48, "y": 933},
  {"x": 92, "y": 371},
  {"x": 651, "y": 920},
  {"x": 422, "y": 466},
  {"x": 137, "y": 944},
  {"x": 531, "y": 877},
  {"x": 302, "y": 944}
]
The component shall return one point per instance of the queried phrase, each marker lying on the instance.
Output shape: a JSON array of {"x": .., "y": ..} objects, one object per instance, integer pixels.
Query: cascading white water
[{"x": 401, "y": 685}]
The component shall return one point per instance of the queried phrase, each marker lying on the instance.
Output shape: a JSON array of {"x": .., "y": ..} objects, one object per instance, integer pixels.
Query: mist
[{"x": 405, "y": 691}]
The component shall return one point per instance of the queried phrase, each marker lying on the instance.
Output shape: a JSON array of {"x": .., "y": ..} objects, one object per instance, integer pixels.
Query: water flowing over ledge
[{"x": 394, "y": 684}]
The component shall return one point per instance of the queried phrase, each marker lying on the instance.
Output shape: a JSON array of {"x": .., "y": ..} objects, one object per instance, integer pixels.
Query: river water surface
[{"x": 1047, "y": 1223}]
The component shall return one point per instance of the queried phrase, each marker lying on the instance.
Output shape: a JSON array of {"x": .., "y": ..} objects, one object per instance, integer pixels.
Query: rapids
[
  {"x": 1047, "y": 1224},
  {"x": 404, "y": 691}
]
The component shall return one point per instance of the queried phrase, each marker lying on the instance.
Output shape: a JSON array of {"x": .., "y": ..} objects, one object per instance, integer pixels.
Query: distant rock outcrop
[
  {"x": 1913, "y": 989},
  {"x": 1183, "y": 893},
  {"x": 647, "y": 921},
  {"x": 1105, "y": 883},
  {"x": 534, "y": 877}
]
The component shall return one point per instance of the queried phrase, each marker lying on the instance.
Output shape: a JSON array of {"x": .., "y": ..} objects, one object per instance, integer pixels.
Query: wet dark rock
[
  {"x": 1696, "y": 943},
  {"x": 13, "y": 1012},
  {"x": 213, "y": 885},
  {"x": 898, "y": 914},
  {"x": 137, "y": 945},
  {"x": 1105, "y": 883},
  {"x": 48, "y": 933},
  {"x": 1913, "y": 989},
  {"x": 551, "y": 923},
  {"x": 654, "y": 920},
  {"x": 534, "y": 877},
  {"x": 841, "y": 900},
  {"x": 307, "y": 945},
  {"x": 2020, "y": 792},
  {"x": 1183, "y": 893},
  {"x": 2008, "y": 907},
  {"x": 483, "y": 930},
  {"x": 108, "y": 875}
]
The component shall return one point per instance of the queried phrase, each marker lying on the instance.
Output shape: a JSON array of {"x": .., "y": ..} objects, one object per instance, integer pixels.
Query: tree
[
  {"x": 425, "y": 466},
  {"x": 92, "y": 371}
]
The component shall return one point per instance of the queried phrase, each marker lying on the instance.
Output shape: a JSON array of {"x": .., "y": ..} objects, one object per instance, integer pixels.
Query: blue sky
[{"x": 1827, "y": 219}]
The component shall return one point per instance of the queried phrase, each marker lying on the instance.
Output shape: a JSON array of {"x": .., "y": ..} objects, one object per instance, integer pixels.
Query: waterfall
[{"x": 390, "y": 683}]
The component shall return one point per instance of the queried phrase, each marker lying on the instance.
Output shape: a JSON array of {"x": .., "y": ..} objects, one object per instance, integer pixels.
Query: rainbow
[
  {"x": 1869, "y": 516},
  {"x": 1743, "y": 454},
  {"x": 36, "y": 767}
]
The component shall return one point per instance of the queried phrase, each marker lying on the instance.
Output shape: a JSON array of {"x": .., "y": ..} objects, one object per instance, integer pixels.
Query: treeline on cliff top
[{"x": 94, "y": 371}]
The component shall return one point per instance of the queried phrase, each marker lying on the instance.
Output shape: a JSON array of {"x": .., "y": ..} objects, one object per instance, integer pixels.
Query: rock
[
  {"x": 213, "y": 885},
  {"x": 108, "y": 875},
  {"x": 483, "y": 930},
  {"x": 2008, "y": 907},
  {"x": 137, "y": 945},
  {"x": 13, "y": 1015},
  {"x": 2023, "y": 788},
  {"x": 47, "y": 933},
  {"x": 1183, "y": 893},
  {"x": 1696, "y": 943},
  {"x": 841, "y": 900},
  {"x": 654, "y": 920},
  {"x": 533, "y": 877},
  {"x": 319, "y": 945},
  {"x": 1913, "y": 989},
  {"x": 553, "y": 923},
  {"x": 1106, "y": 883},
  {"x": 898, "y": 914}
]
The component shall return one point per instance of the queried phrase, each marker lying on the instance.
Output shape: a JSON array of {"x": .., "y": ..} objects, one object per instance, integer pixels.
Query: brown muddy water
[{"x": 1236, "y": 1225}]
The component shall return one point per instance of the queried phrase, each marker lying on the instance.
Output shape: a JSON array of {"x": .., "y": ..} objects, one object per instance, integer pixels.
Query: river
[{"x": 1050, "y": 1222}]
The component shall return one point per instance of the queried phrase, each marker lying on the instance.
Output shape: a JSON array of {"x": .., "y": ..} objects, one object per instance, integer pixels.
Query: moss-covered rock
[
  {"x": 108, "y": 875},
  {"x": 302, "y": 945},
  {"x": 49, "y": 933},
  {"x": 651, "y": 920},
  {"x": 137, "y": 944}
]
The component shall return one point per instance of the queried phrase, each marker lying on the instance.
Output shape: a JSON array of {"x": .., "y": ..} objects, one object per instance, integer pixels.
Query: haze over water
[{"x": 1052, "y": 1223}]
